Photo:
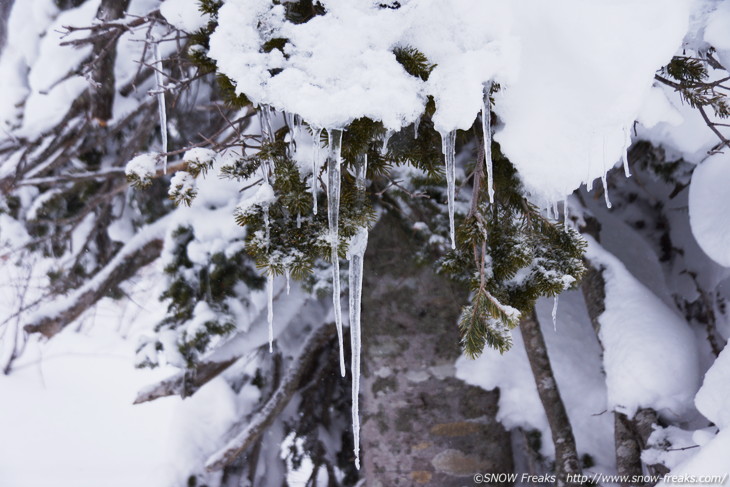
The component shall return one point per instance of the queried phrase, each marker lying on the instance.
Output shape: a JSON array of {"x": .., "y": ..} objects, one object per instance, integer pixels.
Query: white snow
[
  {"x": 713, "y": 398},
  {"x": 709, "y": 207},
  {"x": 650, "y": 354},
  {"x": 142, "y": 166},
  {"x": 340, "y": 66},
  {"x": 263, "y": 196},
  {"x": 200, "y": 156},
  {"x": 575, "y": 358},
  {"x": 184, "y": 14}
]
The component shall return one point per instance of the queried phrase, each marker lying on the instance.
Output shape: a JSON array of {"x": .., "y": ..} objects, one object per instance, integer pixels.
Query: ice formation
[
  {"x": 356, "y": 256},
  {"x": 448, "y": 146},
  {"x": 334, "y": 159},
  {"x": 161, "y": 103}
]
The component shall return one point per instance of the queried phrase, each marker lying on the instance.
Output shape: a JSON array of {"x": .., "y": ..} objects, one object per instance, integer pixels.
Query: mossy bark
[{"x": 421, "y": 425}]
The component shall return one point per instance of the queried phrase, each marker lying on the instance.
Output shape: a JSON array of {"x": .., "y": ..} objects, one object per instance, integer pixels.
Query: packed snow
[
  {"x": 340, "y": 66},
  {"x": 572, "y": 82},
  {"x": 709, "y": 207},
  {"x": 650, "y": 354}
]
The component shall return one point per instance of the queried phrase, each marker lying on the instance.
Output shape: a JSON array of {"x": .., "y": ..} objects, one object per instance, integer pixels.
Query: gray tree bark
[
  {"x": 105, "y": 55},
  {"x": 5, "y": 6},
  {"x": 421, "y": 425},
  {"x": 566, "y": 455}
]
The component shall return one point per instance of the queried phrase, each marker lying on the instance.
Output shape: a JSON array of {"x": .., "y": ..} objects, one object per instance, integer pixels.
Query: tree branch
[
  {"x": 141, "y": 250},
  {"x": 276, "y": 404},
  {"x": 185, "y": 383},
  {"x": 566, "y": 455}
]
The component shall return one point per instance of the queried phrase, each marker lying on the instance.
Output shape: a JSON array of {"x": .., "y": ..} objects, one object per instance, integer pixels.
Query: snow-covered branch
[
  {"x": 277, "y": 402},
  {"x": 184, "y": 383},
  {"x": 141, "y": 250}
]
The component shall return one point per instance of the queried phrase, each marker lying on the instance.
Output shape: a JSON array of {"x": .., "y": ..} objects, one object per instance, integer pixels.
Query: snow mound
[
  {"x": 184, "y": 14},
  {"x": 709, "y": 207},
  {"x": 650, "y": 354},
  {"x": 713, "y": 398},
  {"x": 142, "y": 166}
]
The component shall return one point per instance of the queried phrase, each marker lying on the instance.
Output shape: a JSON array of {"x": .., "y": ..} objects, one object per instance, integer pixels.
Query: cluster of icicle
[{"x": 358, "y": 243}]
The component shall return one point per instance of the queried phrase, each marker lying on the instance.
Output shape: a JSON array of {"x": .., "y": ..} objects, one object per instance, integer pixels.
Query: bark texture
[
  {"x": 5, "y": 6},
  {"x": 421, "y": 425},
  {"x": 566, "y": 455},
  {"x": 105, "y": 55}
]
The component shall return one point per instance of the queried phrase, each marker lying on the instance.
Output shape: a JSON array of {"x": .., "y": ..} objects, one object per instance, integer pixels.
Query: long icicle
[
  {"x": 161, "y": 103},
  {"x": 487, "y": 132},
  {"x": 270, "y": 309},
  {"x": 315, "y": 166},
  {"x": 334, "y": 159},
  {"x": 605, "y": 191},
  {"x": 448, "y": 146},
  {"x": 356, "y": 254},
  {"x": 555, "y": 313},
  {"x": 625, "y": 157}
]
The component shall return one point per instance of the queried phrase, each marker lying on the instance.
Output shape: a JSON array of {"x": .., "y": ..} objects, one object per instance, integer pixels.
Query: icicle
[
  {"x": 565, "y": 213},
  {"x": 267, "y": 224},
  {"x": 287, "y": 275},
  {"x": 269, "y": 282},
  {"x": 267, "y": 130},
  {"x": 625, "y": 158},
  {"x": 555, "y": 313},
  {"x": 448, "y": 146},
  {"x": 605, "y": 191},
  {"x": 333, "y": 213},
  {"x": 415, "y": 127},
  {"x": 161, "y": 103},
  {"x": 356, "y": 255},
  {"x": 589, "y": 185},
  {"x": 556, "y": 211},
  {"x": 291, "y": 136},
  {"x": 487, "y": 131},
  {"x": 289, "y": 117},
  {"x": 270, "y": 313},
  {"x": 386, "y": 139},
  {"x": 299, "y": 220},
  {"x": 549, "y": 212},
  {"x": 315, "y": 166}
]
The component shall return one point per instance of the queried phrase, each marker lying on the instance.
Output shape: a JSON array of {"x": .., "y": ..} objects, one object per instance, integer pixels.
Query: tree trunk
[
  {"x": 630, "y": 434},
  {"x": 105, "y": 55},
  {"x": 421, "y": 425},
  {"x": 5, "y": 7},
  {"x": 567, "y": 465}
]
